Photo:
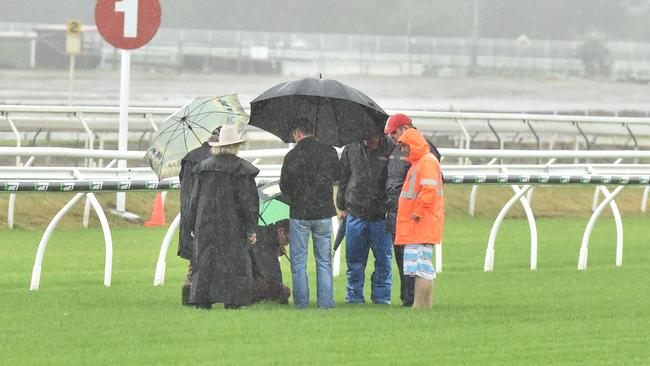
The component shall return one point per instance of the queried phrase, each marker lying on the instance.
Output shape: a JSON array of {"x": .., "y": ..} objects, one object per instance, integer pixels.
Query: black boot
[
  {"x": 409, "y": 291},
  {"x": 185, "y": 297}
]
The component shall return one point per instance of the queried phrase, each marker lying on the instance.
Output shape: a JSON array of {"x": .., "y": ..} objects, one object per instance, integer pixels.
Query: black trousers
[{"x": 407, "y": 283}]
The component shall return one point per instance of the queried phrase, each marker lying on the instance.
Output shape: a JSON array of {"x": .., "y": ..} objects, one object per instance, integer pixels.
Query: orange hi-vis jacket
[{"x": 422, "y": 195}]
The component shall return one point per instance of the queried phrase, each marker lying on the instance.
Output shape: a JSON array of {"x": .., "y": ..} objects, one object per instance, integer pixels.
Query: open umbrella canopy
[
  {"x": 188, "y": 128},
  {"x": 341, "y": 114},
  {"x": 272, "y": 207}
]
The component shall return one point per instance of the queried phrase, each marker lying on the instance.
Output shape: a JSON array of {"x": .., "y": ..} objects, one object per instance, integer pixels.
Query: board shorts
[{"x": 418, "y": 261}]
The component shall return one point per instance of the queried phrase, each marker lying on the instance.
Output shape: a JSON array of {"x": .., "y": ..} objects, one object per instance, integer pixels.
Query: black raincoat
[
  {"x": 397, "y": 169},
  {"x": 223, "y": 212},
  {"x": 308, "y": 173},
  {"x": 362, "y": 191},
  {"x": 187, "y": 182}
]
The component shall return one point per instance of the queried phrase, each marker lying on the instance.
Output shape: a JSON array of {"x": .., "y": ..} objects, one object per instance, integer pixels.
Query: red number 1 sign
[{"x": 127, "y": 24}]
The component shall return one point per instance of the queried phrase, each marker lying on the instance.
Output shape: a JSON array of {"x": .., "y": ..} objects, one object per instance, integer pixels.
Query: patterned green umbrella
[
  {"x": 272, "y": 205},
  {"x": 188, "y": 128}
]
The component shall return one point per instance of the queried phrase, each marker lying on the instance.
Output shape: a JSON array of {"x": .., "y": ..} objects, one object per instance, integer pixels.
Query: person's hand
[
  {"x": 415, "y": 217},
  {"x": 252, "y": 239},
  {"x": 282, "y": 250},
  {"x": 192, "y": 233}
]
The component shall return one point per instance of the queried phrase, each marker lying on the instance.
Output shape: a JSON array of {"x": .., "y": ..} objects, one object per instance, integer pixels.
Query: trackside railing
[{"x": 521, "y": 177}]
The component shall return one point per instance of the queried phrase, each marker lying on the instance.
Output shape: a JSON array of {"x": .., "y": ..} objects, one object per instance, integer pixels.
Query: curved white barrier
[
  {"x": 489, "y": 252},
  {"x": 108, "y": 242},
  {"x": 584, "y": 247},
  {"x": 38, "y": 262},
  {"x": 161, "y": 265}
]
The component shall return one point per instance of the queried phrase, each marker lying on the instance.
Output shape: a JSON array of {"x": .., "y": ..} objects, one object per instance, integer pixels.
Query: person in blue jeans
[
  {"x": 361, "y": 197},
  {"x": 308, "y": 174}
]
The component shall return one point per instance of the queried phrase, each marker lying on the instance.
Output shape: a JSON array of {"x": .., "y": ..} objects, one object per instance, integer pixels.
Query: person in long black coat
[
  {"x": 223, "y": 213},
  {"x": 185, "y": 241}
]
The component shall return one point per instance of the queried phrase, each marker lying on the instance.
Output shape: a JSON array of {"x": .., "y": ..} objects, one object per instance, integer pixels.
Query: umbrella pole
[{"x": 195, "y": 135}]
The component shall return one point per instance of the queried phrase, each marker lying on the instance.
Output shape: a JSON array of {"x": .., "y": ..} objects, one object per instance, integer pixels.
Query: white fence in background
[
  {"x": 521, "y": 178},
  {"x": 501, "y": 130}
]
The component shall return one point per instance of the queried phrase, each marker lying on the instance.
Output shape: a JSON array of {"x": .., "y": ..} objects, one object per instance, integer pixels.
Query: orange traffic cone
[{"x": 158, "y": 213}]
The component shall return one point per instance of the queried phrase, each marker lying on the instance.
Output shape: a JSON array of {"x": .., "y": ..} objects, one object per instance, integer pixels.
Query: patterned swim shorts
[{"x": 418, "y": 261}]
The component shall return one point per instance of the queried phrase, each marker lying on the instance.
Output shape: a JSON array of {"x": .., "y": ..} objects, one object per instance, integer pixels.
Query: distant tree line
[{"x": 547, "y": 19}]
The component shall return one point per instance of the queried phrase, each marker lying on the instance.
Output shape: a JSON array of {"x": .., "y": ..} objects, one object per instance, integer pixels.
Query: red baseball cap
[{"x": 395, "y": 121}]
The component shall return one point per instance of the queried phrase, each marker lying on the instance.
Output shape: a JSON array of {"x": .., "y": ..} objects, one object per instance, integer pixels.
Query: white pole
[
  {"x": 122, "y": 144},
  {"x": 10, "y": 211},
  {"x": 472, "y": 200},
  {"x": 32, "y": 54},
  {"x": 12, "y": 200},
  {"x": 163, "y": 196},
  {"x": 17, "y": 135},
  {"x": 86, "y": 215},
  {"x": 468, "y": 139},
  {"x": 71, "y": 78},
  {"x": 336, "y": 260}
]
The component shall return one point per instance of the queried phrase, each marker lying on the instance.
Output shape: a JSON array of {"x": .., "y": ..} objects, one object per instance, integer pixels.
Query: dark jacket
[
  {"x": 223, "y": 211},
  {"x": 187, "y": 182},
  {"x": 397, "y": 169},
  {"x": 308, "y": 173},
  {"x": 267, "y": 275},
  {"x": 362, "y": 185}
]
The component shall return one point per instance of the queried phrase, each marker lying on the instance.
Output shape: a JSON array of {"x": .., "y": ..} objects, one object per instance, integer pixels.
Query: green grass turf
[{"x": 556, "y": 315}]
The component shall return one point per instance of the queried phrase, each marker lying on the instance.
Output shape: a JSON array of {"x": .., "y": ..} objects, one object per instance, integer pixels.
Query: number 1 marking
[{"x": 130, "y": 10}]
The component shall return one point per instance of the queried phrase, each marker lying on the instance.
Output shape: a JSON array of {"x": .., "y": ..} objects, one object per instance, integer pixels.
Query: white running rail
[{"x": 520, "y": 176}]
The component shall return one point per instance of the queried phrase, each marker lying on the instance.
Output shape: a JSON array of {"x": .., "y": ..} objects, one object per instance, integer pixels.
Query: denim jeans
[
  {"x": 361, "y": 236},
  {"x": 321, "y": 231}
]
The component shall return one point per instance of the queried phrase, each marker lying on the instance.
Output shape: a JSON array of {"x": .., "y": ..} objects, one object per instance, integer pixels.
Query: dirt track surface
[{"x": 421, "y": 93}]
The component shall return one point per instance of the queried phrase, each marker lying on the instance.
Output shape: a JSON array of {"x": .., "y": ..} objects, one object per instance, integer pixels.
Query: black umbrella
[{"x": 341, "y": 114}]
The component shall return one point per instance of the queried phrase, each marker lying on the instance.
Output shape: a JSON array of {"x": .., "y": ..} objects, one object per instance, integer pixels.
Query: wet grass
[{"x": 555, "y": 315}]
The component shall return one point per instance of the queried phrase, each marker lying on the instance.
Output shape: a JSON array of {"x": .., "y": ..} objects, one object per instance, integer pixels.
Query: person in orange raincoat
[{"x": 420, "y": 215}]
